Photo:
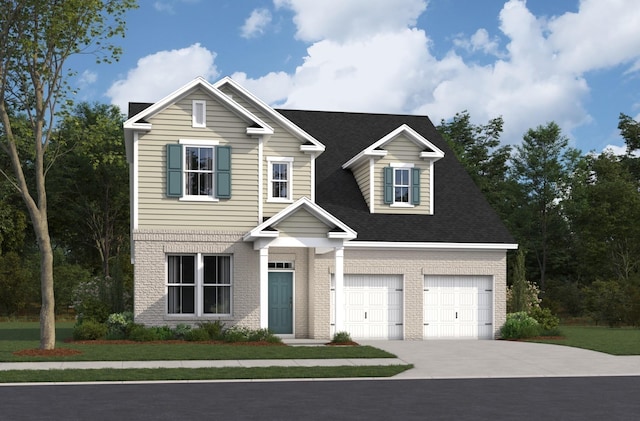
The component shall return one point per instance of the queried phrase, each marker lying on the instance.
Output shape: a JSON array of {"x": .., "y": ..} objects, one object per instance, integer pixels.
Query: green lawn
[
  {"x": 615, "y": 341},
  {"x": 16, "y": 336}
]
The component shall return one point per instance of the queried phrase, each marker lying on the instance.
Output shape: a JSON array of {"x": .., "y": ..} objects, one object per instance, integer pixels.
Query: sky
[{"x": 575, "y": 62}]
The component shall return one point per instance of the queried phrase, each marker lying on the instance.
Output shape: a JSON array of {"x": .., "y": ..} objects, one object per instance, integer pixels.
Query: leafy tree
[
  {"x": 543, "y": 166},
  {"x": 630, "y": 131},
  {"x": 478, "y": 149},
  {"x": 36, "y": 39},
  {"x": 90, "y": 186}
]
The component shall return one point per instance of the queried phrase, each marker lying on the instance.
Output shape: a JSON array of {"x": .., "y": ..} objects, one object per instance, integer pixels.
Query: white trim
[
  {"x": 431, "y": 177},
  {"x": 401, "y": 165},
  {"x": 136, "y": 182},
  {"x": 406, "y": 167},
  {"x": 194, "y": 116},
  {"x": 313, "y": 177},
  {"x": 260, "y": 179},
  {"x": 373, "y": 149},
  {"x": 372, "y": 185},
  {"x": 388, "y": 245},
  {"x": 264, "y": 287},
  {"x": 199, "y": 142},
  {"x": 279, "y": 160},
  {"x": 198, "y": 198}
]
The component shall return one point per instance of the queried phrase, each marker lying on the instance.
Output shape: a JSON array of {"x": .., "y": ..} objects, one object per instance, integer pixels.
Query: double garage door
[{"x": 454, "y": 307}]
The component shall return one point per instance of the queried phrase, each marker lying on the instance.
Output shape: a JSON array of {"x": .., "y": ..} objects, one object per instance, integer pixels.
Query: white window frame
[
  {"x": 199, "y": 287},
  {"x": 199, "y": 119},
  {"x": 198, "y": 143},
  {"x": 407, "y": 167},
  {"x": 288, "y": 161}
]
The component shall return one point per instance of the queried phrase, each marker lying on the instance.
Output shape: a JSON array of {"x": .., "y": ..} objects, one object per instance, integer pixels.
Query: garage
[
  {"x": 458, "y": 307},
  {"x": 373, "y": 306}
]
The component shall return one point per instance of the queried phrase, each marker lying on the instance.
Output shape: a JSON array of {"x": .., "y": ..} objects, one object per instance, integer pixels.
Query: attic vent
[{"x": 280, "y": 265}]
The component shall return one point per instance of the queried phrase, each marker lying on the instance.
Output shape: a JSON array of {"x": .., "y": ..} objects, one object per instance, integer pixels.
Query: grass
[
  {"x": 614, "y": 341},
  {"x": 158, "y": 374},
  {"x": 18, "y": 336}
]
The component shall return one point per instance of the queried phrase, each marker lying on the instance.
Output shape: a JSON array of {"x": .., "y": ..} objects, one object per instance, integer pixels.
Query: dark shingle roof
[
  {"x": 461, "y": 213},
  {"x": 137, "y": 107}
]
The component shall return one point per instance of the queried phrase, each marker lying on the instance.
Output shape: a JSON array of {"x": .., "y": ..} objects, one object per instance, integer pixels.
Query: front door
[{"x": 281, "y": 302}]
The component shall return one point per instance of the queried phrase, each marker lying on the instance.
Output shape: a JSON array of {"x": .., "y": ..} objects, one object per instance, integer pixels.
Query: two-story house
[{"x": 307, "y": 222}]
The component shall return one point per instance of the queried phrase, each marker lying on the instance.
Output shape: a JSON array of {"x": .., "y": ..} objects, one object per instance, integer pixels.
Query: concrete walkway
[{"x": 431, "y": 360}]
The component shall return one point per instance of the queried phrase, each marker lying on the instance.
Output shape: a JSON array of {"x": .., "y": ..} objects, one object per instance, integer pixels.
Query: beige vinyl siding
[
  {"x": 156, "y": 211},
  {"x": 402, "y": 150},
  {"x": 302, "y": 224},
  {"x": 361, "y": 173}
]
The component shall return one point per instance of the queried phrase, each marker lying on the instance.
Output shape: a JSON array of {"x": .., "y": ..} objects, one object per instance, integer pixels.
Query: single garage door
[
  {"x": 373, "y": 306},
  {"x": 458, "y": 307}
]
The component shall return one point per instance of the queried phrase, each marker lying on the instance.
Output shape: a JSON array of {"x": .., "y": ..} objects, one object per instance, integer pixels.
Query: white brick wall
[{"x": 312, "y": 278}]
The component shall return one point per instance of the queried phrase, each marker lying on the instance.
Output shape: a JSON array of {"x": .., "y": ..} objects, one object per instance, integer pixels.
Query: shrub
[
  {"x": 118, "y": 325},
  {"x": 215, "y": 329},
  {"x": 181, "y": 331},
  {"x": 531, "y": 297},
  {"x": 546, "y": 319},
  {"x": 197, "y": 335},
  {"x": 141, "y": 333},
  {"x": 89, "y": 330},
  {"x": 341, "y": 338},
  {"x": 244, "y": 334},
  {"x": 606, "y": 302},
  {"x": 520, "y": 325}
]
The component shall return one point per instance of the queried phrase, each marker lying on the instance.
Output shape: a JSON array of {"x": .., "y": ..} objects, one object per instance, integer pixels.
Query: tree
[
  {"x": 630, "y": 131},
  {"x": 543, "y": 165},
  {"x": 478, "y": 148},
  {"x": 36, "y": 39}
]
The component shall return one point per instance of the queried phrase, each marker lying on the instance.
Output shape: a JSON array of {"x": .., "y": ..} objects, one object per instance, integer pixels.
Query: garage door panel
[
  {"x": 373, "y": 306},
  {"x": 458, "y": 307}
]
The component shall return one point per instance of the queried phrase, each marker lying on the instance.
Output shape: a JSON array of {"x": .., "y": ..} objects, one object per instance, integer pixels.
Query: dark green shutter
[
  {"x": 223, "y": 172},
  {"x": 415, "y": 186},
  {"x": 174, "y": 170},
  {"x": 388, "y": 185}
]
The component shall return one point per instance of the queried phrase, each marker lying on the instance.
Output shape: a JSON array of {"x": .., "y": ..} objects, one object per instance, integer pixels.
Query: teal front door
[{"x": 281, "y": 302}]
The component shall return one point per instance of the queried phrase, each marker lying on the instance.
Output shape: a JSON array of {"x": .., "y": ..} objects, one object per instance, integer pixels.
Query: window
[
  {"x": 401, "y": 185},
  {"x": 199, "y": 284},
  {"x": 279, "y": 179},
  {"x": 198, "y": 170},
  {"x": 199, "y": 114}
]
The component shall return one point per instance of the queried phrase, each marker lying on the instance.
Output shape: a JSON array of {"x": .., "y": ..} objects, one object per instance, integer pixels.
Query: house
[{"x": 307, "y": 222}]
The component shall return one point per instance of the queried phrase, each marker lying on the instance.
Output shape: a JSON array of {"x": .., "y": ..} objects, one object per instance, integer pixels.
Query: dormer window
[
  {"x": 199, "y": 111},
  {"x": 401, "y": 185}
]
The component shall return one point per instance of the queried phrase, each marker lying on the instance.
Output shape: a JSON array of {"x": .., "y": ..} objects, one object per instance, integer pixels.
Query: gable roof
[{"x": 461, "y": 212}]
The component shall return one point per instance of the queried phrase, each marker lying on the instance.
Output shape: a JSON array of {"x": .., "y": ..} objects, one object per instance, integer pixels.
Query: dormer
[{"x": 395, "y": 173}]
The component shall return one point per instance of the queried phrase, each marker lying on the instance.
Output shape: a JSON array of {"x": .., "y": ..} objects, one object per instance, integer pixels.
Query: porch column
[
  {"x": 264, "y": 287},
  {"x": 339, "y": 280}
]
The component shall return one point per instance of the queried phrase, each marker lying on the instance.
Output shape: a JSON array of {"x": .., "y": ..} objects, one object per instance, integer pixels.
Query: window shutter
[
  {"x": 223, "y": 172},
  {"x": 174, "y": 170},
  {"x": 415, "y": 186},
  {"x": 388, "y": 185}
]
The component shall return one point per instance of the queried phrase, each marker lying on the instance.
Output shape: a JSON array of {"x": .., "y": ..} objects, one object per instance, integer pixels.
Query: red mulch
[{"x": 57, "y": 352}]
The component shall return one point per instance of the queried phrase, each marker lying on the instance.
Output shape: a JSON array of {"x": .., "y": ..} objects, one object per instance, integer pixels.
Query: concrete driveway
[{"x": 491, "y": 359}]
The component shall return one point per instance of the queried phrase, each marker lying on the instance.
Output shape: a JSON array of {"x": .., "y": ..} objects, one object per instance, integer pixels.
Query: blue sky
[{"x": 574, "y": 62}]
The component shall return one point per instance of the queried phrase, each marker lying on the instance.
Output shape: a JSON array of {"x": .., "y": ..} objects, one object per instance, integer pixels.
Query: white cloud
[
  {"x": 159, "y": 74},
  {"x": 343, "y": 21},
  {"x": 168, "y": 6},
  {"x": 87, "y": 78},
  {"x": 272, "y": 88},
  {"x": 256, "y": 23},
  {"x": 479, "y": 41}
]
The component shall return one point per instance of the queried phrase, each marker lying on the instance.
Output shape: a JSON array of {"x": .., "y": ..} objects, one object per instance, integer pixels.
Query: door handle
[
  {"x": 291, "y": 302},
  {"x": 365, "y": 315},
  {"x": 456, "y": 314}
]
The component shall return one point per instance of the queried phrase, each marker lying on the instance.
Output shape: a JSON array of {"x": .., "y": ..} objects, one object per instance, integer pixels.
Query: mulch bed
[{"x": 57, "y": 352}]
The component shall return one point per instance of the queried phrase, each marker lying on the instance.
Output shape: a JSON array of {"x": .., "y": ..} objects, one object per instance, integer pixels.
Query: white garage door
[
  {"x": 373, "y": 306},
  {"x": 458, "y": 307}
]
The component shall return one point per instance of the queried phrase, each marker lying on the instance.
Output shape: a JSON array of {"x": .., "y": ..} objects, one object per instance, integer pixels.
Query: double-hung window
[
  {"x": 199, "y": 171},
  {"x": 199, "y": 285},
  {"x": 401, "y": 185},
  {"x": 280, "y": 179}
]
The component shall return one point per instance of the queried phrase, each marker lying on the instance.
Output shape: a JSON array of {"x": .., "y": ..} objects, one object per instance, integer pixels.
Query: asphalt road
[{"x": 576, "y": 398}]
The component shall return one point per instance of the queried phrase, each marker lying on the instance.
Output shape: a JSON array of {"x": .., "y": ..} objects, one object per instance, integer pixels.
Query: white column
[
  {"x": 339, "y": 279},
  {"x": 264, "y": 287}
]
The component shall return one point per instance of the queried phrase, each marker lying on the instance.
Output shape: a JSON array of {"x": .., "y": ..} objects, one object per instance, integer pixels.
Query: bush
[
  {"x": 215, "y": 329},
  {"x": 181, "y": 331},
  {"x": 197, "y": 335},
  {"x": 546, "y": 319},
  {"x": 141, "y": 333},
  {"x": 89, "y": 330},
  {"x": 244, "y": 334},
  {"x": 520, "y": 325},
  {"x": 118, "y": 325},
  {"x": 341, "y": 338}
]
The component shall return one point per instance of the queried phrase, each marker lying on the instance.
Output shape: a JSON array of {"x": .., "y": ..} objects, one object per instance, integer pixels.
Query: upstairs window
[
  {"x": 401, "y": 185},
  {"x": 198, "y": 170},
  {"x": 199, "y": 113},
  {"x": 280, "y": 179}
]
